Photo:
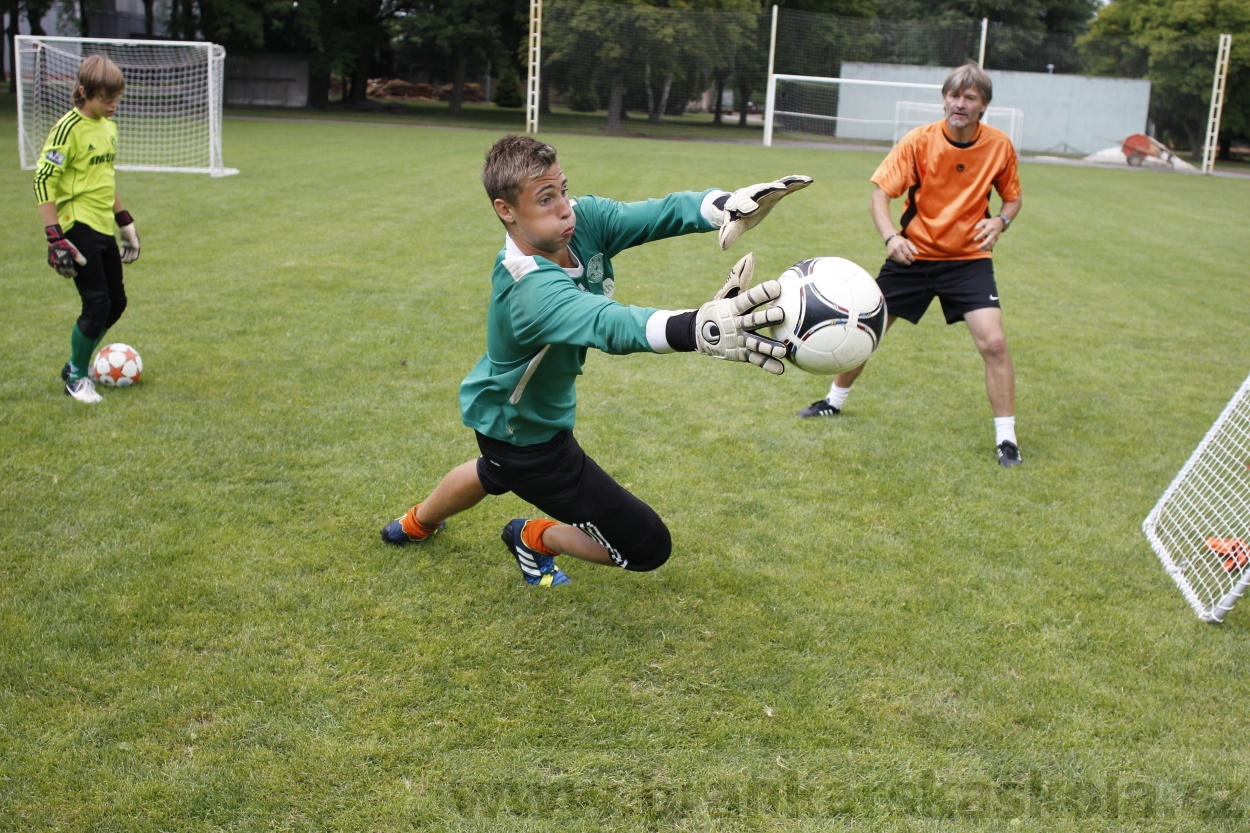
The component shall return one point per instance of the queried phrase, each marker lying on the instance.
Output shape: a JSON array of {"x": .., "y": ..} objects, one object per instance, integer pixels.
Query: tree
[
  {"x": 13, "y": 8},
  {"x": 643, "y": 56},
  {"x": 1066, "y": 17},
  {"x": 466, "y": 33},
  {"x": 1175, "y": 43},
  {"x": 35, "y": 12}
]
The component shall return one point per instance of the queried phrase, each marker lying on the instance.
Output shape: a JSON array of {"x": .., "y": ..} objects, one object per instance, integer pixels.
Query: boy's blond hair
[
  {"x": 511, "y": 163},
  {"x": 98, "y": 77},
  {"x": 969, "y": 75}
]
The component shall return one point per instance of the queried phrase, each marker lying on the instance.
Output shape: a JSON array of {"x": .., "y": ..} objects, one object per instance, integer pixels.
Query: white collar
[{"x": 510, "y": 247}]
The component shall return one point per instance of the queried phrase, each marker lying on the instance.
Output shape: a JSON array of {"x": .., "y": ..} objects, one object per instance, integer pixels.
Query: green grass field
[{"x": 866, "y": 624}]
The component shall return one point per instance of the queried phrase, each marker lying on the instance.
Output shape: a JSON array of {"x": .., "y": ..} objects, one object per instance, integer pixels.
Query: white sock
[
  {"x": 837, "y": 396},
  {"x": 1005, "y": 430}
]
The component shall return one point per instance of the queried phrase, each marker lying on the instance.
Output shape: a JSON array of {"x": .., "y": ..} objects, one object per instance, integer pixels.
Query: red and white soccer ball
[
  {"x": 835, "y": 315},
  {"x": 116, "y": 366}
]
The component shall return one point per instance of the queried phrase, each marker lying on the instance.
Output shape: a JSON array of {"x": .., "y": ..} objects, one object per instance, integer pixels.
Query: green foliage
[
  {"x": 1177, "y": 43},
  {"x": 509, "y": 92},
  {"x": 646, "y": 58},
  {"x": 1068, "y": 17},
  {"x": 866, "y": 626},
  {"x": 842, "y": 8}
]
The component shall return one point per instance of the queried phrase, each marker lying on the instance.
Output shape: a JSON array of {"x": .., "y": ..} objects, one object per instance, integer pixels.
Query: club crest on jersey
[
  {"x": 594, "y": 269},
  {"x": 55, "y": 157}
]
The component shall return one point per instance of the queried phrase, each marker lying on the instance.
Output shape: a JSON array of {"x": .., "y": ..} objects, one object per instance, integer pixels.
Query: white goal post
[
  {"x": 169, "y": 118},
  {"x": 1200, "y": 528},
  {"x": 858, "y": 108},
  {"x": 852, "y": 108}
]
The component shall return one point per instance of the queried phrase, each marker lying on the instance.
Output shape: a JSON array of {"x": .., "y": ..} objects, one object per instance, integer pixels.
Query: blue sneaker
[
  {"x": 535, "y": 568},
  {"x": 393, "y": 533}
]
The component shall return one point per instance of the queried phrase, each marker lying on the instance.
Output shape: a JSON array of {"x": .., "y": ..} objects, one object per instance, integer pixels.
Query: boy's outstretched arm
[
  {"x": 725, "y": 327},
  {"x": 742, "y": 210}
]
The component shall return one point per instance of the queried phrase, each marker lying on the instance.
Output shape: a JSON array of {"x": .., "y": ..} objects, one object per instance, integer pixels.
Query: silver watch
[{"x": 1006, "y": 221}]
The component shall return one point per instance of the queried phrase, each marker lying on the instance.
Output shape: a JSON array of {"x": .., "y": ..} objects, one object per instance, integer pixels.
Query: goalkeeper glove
[
  {"x": 130, "y": 237},
  {"x": 62, "y": 254},
  {"x": 725, "y": 326},
  {"x": 746, "y": 207}
]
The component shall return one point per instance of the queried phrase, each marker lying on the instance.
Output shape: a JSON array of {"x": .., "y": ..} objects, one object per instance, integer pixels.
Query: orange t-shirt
[{"x": 948, "y": 187}]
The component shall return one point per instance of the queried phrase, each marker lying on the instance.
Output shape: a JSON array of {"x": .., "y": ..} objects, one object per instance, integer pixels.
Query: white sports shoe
[{"x": 84, "y": 391}]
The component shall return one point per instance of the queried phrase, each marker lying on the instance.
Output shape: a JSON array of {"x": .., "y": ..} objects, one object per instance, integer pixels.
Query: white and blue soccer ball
[
  {"x": 116, "y": 366},
  {"x": 835, "y": 315}
]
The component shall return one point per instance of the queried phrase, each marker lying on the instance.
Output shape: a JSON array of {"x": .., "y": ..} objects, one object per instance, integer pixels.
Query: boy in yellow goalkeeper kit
[{"x": 79, "y": 206}]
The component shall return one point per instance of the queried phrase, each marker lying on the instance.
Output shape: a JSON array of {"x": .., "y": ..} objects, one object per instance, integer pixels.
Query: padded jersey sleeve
[
  {"x": 56, "y": 151},
  {"x": 546, "y": 307},
  {"x": 623, "y": 225}
]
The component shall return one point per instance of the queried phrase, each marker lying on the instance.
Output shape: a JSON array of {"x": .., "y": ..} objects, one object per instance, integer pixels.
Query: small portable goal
[
  {"x": 1200, "y": 528},
  {"x": 169, "y": 118}
]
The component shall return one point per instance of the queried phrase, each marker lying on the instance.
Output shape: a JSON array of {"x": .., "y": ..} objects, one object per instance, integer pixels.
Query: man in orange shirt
[{"x": 947, "y": 170}]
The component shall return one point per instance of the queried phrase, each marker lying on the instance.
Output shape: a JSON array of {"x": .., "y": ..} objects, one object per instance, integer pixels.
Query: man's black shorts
[
  {"x": 565, "y": 483},
  {"x": 961, "y": 285}
]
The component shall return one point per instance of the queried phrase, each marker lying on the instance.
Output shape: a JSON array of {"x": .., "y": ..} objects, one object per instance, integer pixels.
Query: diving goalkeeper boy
[{"x": 551, "y": 300}]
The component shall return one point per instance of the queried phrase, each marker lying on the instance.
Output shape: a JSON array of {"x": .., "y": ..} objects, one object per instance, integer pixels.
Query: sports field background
[{"x": 866, "y": 624}]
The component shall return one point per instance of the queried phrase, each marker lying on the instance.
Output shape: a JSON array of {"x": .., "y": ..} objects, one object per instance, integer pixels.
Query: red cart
[{"x": 1138, "y": 146}]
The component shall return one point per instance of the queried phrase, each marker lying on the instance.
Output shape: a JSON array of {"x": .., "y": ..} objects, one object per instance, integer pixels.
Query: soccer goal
[
  {"x": 909, "y": 115},
  {"x": 1200, "y": 528},
  {"x": 846, "y": 108},
  {"x": 169, "y": 118}
]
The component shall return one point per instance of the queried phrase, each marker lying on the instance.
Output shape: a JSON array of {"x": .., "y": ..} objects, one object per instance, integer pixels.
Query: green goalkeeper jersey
[
  {"x": 76, "y": 171},
  {"x": 543, "y": 318}
]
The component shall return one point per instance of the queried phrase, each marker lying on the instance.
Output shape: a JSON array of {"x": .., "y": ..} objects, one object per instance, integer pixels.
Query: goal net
[
  {"x": 804, "y": 106},
  {"x": 169, "y": 118},
  {"x": 909, "y": 115},
  {"x": 1200, "y": 528}
]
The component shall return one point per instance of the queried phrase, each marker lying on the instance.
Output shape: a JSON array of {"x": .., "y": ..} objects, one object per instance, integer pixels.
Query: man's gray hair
[{"x": 969, "y": 75}]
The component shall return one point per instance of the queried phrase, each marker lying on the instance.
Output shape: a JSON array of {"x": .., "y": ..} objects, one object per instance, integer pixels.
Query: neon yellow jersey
[{"x": 76, "y": 171}]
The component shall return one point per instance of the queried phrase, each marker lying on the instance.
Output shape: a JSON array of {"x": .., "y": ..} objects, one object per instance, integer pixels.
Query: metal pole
[
  {"x": 770, "y": 100},
  {"x": 1211, "y": 145},
  {"x": 985, "y": 29},
  {"x": 532, "y": 80}
]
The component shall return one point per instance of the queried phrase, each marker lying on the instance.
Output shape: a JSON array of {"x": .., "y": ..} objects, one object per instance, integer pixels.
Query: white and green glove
[
  {"x": 130, "y": 237},
  {"x": 725, "y": 326},
  {"x": 746, "y": 207}
]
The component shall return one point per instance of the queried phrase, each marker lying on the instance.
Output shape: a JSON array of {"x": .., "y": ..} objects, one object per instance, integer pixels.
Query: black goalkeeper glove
[{"x": 62, "y": 254}]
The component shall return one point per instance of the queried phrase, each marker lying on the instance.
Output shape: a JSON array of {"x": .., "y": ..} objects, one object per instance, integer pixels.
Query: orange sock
[
  {"x": 413, "y": 527},
  {"x": 532, "y": 535}
]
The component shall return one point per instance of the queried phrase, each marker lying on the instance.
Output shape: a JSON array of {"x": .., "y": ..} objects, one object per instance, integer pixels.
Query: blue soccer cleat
[
  {"x": 536, "y": 568},
  {"x": 393, "y": 533}
]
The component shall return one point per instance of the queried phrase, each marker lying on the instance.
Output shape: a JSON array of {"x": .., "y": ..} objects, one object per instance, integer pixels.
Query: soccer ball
[
  {"x": 116, "y": 366},
  {"x": 835, "y": 315}
]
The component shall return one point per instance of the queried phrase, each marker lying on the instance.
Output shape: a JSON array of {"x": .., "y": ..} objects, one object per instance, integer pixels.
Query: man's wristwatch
[{"x": 1006, "y": 221}]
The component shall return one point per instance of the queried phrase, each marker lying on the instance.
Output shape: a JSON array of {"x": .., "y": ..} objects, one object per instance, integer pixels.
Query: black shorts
[
  {"x": 563, "y": 481},
  {"x": 99, "y": 282},
  {"x": 961, "y": 285}
]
